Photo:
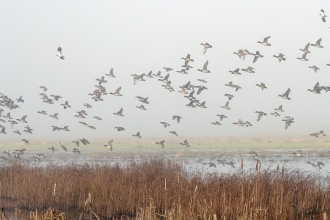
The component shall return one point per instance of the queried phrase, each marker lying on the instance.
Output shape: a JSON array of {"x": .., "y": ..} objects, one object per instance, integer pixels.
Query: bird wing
[
  {"x": 120, "y": 111},
  {"x": 304, "y": 55},
  {"x": 166, "y": 77},
  {"x": 205, "y": 49},
  {"x": 319, "y": 41},
  {"x": 227, "y": 103},
  {"x": 266, "y": 39},
  {"x": 287, "y": 92},
  {"x": 316, "y": 86},
  {"x": 59, "y": 51},
  {"x": 188, "y": 56},
  {"x": 255, "y": 59},
  {"x": 205, "y": 65},
  {"x": 259, "y": 116},
  {"x": 307, "y": 45},
  {"x": 118, "y": 90},
  {"x": 199, "y": 90},
  {"x": 192, "y": 93}
]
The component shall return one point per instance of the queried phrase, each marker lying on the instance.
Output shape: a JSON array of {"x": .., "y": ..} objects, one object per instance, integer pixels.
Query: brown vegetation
[{"x": 161, "y": 189}]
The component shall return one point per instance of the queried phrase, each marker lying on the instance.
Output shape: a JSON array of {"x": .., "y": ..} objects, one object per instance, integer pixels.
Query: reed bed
[{"x": 162, "y": 189}]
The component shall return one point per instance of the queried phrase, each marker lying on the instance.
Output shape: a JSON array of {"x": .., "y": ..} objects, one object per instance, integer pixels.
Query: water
[{"x": 191, "y": 160}]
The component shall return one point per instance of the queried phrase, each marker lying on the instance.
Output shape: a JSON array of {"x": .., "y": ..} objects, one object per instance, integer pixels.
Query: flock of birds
[
  {"x": 224, "y": 161},
  {"x": 189, "y": 91}
]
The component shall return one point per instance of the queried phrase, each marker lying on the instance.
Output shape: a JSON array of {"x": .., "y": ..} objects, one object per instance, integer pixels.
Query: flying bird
[
  {"x": 165, "y": 124},
  {"x": 216, "y": 123},
  {"x": 59, "y": 53},
  {"x": 109, "y": 145},
  {"x": 161, "y": 143},
  {"x": 178, "y": 118},
  {"x": 260, "y": 114},
  {"x": 315, "y": 68},
  {"x": 256, "y": 56},
  {"x": 286, "y": 94},
  {"x": 303, "y": 57},
  {"x": 265, "y": 42},
  {"x": 317, "y": 44},
  {"x": 226, "y": 106},
  {"x": 305, "y": 50},
  {"x": 262, "y": 86},
  {"x": 206, "y": 46},
  {"x": 185, "y": 143},
  {"x": 323, "y": 15},
  {"x": 205, "y": 70},
  {"x": 280, "y": 57},
  {"x": 137, "y": 135},
  {"x": 66, "y": 105},
  {"x": 120, "y": 128},
  {"x": 63, "y": 147},
  {"x": 174, "y": 133},
  {"x": 167, "y": 69},
  {"x": 116, "y": 93},
  {"x": 119, "y": 113},
  {"x": 111, "y": 74}
]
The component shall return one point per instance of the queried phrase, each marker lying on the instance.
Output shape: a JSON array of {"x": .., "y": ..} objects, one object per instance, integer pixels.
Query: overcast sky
[{"x": 135, "y": 37}]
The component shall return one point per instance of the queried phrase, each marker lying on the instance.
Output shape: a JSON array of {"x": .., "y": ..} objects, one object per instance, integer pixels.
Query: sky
[{"x": 135, "y": 37}]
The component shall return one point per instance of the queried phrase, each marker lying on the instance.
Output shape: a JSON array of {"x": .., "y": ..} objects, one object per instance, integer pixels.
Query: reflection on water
[{"x": 193, "y": 160}]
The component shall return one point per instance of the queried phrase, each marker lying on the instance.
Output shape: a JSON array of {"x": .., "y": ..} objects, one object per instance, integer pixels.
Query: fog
[{"x": 135, "y": 37}]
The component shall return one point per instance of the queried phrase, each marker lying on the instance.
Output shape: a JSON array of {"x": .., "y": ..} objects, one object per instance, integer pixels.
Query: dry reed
[{"x": 161, "y": 189}]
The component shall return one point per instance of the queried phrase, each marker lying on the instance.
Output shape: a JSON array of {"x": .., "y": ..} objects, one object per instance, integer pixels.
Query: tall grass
[{"x": 159, "y": 189}]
